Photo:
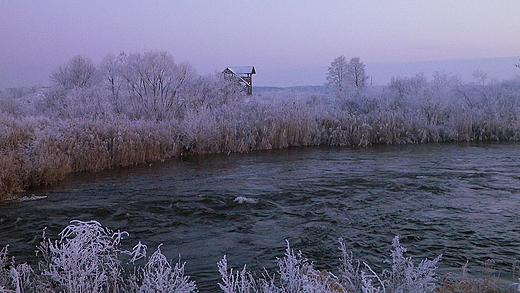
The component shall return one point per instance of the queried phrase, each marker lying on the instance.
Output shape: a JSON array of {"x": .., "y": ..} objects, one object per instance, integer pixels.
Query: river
[{"x": 461, "y": 200}]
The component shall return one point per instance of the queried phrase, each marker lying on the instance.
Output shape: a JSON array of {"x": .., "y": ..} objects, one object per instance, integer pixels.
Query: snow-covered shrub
[
  {"x": 158, "y": 276},
  {"x": 84, "y": 259},
  {"x": 408, "y": 91},
  {"x": 235, "y": 282},
  {"x": 5, "y": 278},
  {"x": 350, "y": 274},
  {"x": 78, "y": 72},
  {"x": 13, "y": 277},
  {"x": 296, "y": 275},
  {"x": 88, "y": 258},
  {"x": 404, "y": 276}
]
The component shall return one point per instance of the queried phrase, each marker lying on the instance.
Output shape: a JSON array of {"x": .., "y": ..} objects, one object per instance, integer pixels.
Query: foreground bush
[{"x": 89, "y": 258}]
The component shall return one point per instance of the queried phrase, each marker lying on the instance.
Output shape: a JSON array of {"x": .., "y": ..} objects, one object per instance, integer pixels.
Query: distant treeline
[{"x": 144, "y": 107}]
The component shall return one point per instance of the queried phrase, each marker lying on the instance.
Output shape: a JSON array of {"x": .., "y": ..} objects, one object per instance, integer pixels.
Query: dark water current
[{"x": 459, "y": 200}]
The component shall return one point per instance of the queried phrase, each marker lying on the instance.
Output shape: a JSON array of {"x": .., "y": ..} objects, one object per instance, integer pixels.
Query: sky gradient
[{"x": 276, "y": 36}]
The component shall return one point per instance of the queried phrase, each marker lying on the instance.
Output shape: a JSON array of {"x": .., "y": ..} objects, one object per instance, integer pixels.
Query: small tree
[
  {"x": 111, "y": 68},
  {"x": 356, "y": 76},
  {"x": 347, "y": 77},
  {"x": 154, "y": 83},
  {"x": 480, "y": 76},
  {"x": 78, "y": 72},
  {"x": 408, "y": 91},
  {"x": 337, "y": 74}
]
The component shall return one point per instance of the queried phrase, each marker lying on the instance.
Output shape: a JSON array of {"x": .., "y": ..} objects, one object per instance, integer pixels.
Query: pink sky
[{"x": 36, "y": 36}]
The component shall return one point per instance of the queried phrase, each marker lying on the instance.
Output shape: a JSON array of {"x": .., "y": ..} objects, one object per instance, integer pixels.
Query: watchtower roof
[{"x": 242, "y": 69}]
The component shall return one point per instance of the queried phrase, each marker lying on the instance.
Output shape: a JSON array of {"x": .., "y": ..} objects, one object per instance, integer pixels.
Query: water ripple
[{"x": 461, "y": 200}]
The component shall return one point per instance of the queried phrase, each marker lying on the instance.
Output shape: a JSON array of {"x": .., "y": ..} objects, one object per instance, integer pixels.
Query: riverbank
[{"x": 47, "y": 135}]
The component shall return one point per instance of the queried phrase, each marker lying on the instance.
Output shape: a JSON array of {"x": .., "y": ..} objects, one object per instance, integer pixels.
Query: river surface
[{"x": 458, "y": 200}]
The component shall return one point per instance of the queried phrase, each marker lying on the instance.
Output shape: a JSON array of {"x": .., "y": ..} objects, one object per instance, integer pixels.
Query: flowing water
[{"x": 459, "y": 200}]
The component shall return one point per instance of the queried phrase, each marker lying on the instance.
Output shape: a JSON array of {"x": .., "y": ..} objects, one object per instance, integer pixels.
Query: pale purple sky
[{"x": 276, "y": 36}]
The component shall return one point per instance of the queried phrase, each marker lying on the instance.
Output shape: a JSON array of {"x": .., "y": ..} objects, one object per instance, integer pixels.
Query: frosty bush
[
  {"x": 84, "y": 259},
  {"x": 158, "y": 276},
  {"x": 235, "y": 282},
  {"x": 403, "y": 276},
  {"x": 88, "y": 258},
  {"x": 296, "y": 275},
  {"x": 349, "y": 269},
  {"x": 13, "y": 277}
]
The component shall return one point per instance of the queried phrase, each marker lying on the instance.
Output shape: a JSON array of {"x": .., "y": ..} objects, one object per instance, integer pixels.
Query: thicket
[
  {"x": 90, "y": 258},
  {"x": 144, "y": 107}
]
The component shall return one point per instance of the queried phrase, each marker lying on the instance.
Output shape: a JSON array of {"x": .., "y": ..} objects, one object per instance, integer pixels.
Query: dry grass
[
  {"x": 43, "y": 156},
  {"x": 455, "y": 284}
]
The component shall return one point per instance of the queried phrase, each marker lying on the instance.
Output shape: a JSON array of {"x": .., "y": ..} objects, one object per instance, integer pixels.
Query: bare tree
[
  {"x": 111, "y": 68},
  {"x": 480, "y": 76},
  {"x": 356, "y": 76},
  {"x": 337, "y": 74},
  {"x": 79, "y": 72},
  {"x": 154, "y": 82},
  {"x": 347, "y": 77}
]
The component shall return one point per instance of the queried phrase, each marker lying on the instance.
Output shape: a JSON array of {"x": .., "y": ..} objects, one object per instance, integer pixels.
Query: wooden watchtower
[{"x": 244, "y": 75}]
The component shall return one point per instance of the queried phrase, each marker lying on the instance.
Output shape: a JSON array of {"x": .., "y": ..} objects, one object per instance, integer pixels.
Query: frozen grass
[
  {"x": 84, "y": 259},
  {"x": 141, "y": 108},
  {"x": 88, "y": 258}
]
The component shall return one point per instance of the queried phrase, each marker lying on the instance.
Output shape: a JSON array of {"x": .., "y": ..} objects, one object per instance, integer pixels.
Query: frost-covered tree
[
  {"x": 75, "y": 92},
  {"x": 347, "y": 77},
  {"x": 78, "y": 72},
  {"x": 337, "y": 74},
  {"x": 356, "y": 75},
  {"x": 480, "y": 76},
  {"x": 213, "y": 91},
  {"x": 408, "y": 91},
  {"x": 155, "y": 83},
  {"x": 111, "y": 68}
]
